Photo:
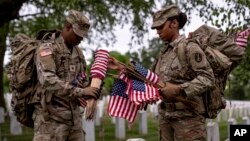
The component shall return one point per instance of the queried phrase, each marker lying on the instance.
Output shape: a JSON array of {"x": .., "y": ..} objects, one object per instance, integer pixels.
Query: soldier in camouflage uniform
[
  {"x": 57, "y": 116},
  {"x": 177, "y": 121}
]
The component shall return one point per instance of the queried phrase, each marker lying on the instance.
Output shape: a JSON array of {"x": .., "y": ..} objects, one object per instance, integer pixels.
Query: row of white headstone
[
  {"x": 235, "y": 110},
  {"x": 213, "y": 133},
  {"x": 120, "y": 127},
  {"x": 232, "y": 112}
]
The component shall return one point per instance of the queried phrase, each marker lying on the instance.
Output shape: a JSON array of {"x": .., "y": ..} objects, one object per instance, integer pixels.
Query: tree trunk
[
  {"x": 9, "y": 10},
  {"x": 4, "y": 32}
]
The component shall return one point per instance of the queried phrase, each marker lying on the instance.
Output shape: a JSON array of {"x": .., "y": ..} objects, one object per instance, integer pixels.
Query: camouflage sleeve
[
  {"x": 204, "y": 74},
  {"x": 46, "y": 71}
]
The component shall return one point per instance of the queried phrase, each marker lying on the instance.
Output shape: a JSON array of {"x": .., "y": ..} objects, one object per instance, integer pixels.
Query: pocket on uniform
[{"x": 175, "y": 65}]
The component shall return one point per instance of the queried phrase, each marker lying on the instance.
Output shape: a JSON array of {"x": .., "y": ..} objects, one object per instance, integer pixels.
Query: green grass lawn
[{"x": 105, "y": 132}]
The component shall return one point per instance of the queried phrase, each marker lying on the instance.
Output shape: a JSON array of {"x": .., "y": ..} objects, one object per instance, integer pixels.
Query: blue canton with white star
[
  {"x": 139, "y": 68},
  {"x": 119, "y": 88},
  {"x": 138, "y": 85}
]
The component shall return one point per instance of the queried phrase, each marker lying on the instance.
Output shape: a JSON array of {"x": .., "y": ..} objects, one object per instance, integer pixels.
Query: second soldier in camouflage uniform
[
  {"x": 57, "y": 116},
  {"x": 177, "y": 121}
]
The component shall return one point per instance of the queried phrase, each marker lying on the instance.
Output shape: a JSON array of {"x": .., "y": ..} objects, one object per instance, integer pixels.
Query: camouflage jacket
[
  {"x": 57, "y": 68},
  {"x": 197, "y": 79}
]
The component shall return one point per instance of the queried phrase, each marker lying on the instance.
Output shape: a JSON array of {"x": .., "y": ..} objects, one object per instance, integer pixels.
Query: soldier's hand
[
  {"x": 91, "y": 92},
  {"x": 114, "y": 64},
  {"x": 87, "y": 92},
  {"x": 90, "y": 110},
  {"x": 170, "y": 91}
]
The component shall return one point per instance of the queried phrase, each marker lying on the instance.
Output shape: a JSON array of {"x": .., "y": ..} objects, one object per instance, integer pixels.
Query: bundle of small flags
[
  {"x": 99, "y": 67},
  {"x": 130, "y": 94},
  {"x": 241, "y": 38},
  {"x": 135, "y": 87}
]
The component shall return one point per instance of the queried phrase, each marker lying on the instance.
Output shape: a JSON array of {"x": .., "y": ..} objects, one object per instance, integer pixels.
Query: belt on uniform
[{"x": 171, "y": 107}]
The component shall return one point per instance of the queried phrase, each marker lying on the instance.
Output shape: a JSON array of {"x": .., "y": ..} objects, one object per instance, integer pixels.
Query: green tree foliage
[
  {"x": 146, "y": 55},
  {"x": 105, "y": 15},
  {"x": 5, "y": 82}
]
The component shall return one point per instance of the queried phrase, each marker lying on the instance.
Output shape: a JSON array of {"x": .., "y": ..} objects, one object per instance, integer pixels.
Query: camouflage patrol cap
[
  {"x": 161, "y": 16},
  {"x": 79, "y": 21}
]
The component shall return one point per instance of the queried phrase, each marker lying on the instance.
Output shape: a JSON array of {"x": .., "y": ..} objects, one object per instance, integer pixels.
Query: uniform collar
[
  {"x": 172, "y": 44},
  {"x": 177, "y": 40},
  {"x": 61, "y": 41}
]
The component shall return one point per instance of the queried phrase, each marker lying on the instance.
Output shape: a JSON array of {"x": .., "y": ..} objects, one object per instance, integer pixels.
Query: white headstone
[
  {"x": 218, "y": 118},
  {"x": 224, "y": 114},
  {"x": 237, "y": 112},
  {"x": 213, "y": 133},
  {"x": 97, "y": 116},
  {"x": 107, "y": 98},
  {"x": 231, "y": 121},
  {"x": 143, "y": 123},
  {"x": 101, "y": 107},
  {"x": 245, "y": 111},
  {"x": 89, "y": 128},
  {"x": 248, "y": 110},
  {"x": 120, "y": 128},
  {"x": 246, "y": 120},
  {"x": 230, "y": 113},
  {"x": 155, "y": 111},
  {"x": 241, "y": 114},
  {"x": 15, "y": 126},
  {"x": 1, "y": 115}
]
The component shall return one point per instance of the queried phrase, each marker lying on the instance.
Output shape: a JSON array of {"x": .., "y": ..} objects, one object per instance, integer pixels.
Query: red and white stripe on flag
[
  {"x": 119, "y": 103},
  {"x": 152, "y": 77},
  {"x": 242, "y": 37},
  {"x": 150, "y": 95},
  {"x": 123, "y": 108},
  {"x": 99, "y": 67}
]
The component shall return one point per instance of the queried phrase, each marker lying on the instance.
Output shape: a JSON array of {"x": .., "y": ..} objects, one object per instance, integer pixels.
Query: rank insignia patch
[{"x": 198, "y": 57}]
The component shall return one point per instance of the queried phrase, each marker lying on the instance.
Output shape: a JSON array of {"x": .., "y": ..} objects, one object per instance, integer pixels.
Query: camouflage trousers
[
  {"x": 51, "y": 130},
  {"x": 182, "y": 129}
]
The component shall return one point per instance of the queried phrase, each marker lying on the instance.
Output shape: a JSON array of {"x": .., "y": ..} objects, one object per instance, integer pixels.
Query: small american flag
[
  {"x": 142, "y": 92},
  {"x": 241, "y": 39},
  {"x": 46, "y": 52},
  {"x": 119, "y": 104},
  {"x": 149, "y": 75},
  {"x": 99, "y": 67}
]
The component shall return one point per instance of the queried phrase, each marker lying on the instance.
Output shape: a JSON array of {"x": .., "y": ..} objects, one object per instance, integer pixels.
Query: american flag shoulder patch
[{"x": 46, "y": 52}]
